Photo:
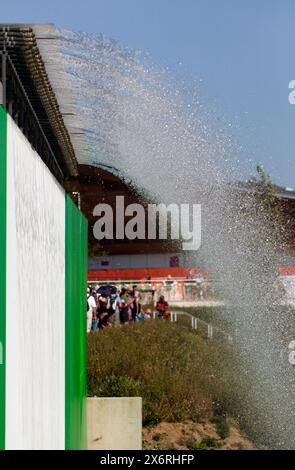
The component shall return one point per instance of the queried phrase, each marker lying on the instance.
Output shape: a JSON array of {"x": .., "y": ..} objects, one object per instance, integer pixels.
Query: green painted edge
[
  {"x": 3, "y": 184},
  {"x": 75, "y": 326}
]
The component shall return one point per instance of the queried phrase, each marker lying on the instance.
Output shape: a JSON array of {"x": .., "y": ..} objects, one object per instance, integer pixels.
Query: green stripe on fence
[{"x": 75, "y": 341}]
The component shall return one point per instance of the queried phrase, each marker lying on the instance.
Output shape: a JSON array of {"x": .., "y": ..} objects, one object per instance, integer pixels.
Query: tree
[{"x": 267, "y": 204}]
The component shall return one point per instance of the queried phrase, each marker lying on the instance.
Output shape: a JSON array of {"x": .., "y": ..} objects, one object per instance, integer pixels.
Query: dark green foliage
[
  {"x": 221, "y": 425},
  {"x": 205, "y": 444}
]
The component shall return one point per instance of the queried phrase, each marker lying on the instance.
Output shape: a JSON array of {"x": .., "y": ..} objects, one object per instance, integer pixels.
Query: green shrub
[
  {"x": 221, "y": 425},
  {"x": 116, "y": 386},
  {"x": 205, "y": 444}
]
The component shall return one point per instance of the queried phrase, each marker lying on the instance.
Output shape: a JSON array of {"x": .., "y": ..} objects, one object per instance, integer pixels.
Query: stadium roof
[
  {"x": 27, "y": 90},
  {"x": 37, "y": 86}
]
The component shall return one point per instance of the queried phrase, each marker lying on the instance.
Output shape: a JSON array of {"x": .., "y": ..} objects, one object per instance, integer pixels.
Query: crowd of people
[{"x": 107, "y": 306}]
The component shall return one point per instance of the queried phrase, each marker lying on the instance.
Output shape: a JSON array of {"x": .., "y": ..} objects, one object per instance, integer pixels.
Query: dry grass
[
  {"x": 193, "y": 436},
  {"x": 178, "y": 374}
]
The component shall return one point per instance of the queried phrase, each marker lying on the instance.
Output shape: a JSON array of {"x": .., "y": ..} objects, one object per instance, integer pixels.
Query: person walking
[
  {"x": 102, "y": 313},
  {"x": 124, "y": 307},
  {"x": 162, "y": 307},
  {"x": 91, "y": 309}
]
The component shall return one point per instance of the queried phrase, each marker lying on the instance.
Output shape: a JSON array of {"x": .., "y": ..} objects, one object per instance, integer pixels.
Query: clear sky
[{"x": 243, "y": 50}]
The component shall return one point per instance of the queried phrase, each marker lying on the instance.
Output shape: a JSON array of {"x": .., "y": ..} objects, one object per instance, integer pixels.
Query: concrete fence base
[{"x": 114, "y": 423}]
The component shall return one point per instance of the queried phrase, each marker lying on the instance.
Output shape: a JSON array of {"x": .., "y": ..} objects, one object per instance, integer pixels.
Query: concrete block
[{"x": 114, "y": 423}]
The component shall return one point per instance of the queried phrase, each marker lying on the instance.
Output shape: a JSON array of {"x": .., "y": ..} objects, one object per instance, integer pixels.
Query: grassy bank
[{"x": 179, "y": 374}]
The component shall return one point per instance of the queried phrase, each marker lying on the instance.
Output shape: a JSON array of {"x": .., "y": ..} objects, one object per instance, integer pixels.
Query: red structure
[{"x": 143, "y": 274}]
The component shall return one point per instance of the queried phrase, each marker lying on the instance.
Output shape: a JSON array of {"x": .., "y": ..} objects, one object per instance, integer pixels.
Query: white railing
[{"x": 196, "y": 322}]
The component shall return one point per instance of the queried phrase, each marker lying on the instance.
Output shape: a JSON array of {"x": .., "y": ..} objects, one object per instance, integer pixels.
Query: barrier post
[{"x": 210, "y": 331}]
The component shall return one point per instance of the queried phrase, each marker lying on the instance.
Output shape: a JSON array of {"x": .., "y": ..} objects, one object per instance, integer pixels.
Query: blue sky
[{"x": 243, "y": 50}]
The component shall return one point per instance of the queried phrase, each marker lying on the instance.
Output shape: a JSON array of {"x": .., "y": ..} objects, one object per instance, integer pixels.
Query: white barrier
[
  {"x": 195, "y": 321},
  {"x": 43, "y": 239}
]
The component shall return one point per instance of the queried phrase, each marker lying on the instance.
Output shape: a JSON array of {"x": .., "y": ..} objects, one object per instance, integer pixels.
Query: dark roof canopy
[{"x": 30, "y": 100}]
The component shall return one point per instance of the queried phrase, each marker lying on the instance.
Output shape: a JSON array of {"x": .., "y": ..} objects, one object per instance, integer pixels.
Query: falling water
[{"x": 133, "y": 118}]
